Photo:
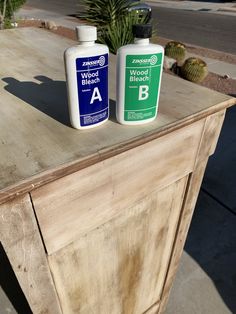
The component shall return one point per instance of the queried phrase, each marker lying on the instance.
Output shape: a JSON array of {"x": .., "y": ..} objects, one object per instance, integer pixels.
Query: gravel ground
[
  {"x": 212, "y": 81},
  {"x": 220, "y": 84},
  {"x": 204, "y": 52},
  {"x": 216, "y": 82}
]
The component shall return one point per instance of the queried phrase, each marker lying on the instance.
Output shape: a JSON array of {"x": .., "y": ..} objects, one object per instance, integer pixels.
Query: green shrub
[
  {"x": 104, "y": 12},
  {"x": 12, "y": 6},
  {"x": 194, "y": 70},
  {"x": 113, "y": 20},
  {"x": 119, "y": 33},
  {"x": 175, "y": 50},
  {"x": 7, "y": 24}
]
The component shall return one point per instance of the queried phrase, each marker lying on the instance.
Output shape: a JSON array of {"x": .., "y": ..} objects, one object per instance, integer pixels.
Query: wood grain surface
[
  {"x": 153, "y": 309},
  {"x": 209, "y": 139},
  {"x": 21, "y": 240},
  {"x": 37, "y": 145},
  {"x": 120, "y": 266},
  {"x": 80, "y": 202}
]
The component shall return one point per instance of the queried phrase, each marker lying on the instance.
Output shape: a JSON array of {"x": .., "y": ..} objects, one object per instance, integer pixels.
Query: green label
[{"x": 142, "y": 78}]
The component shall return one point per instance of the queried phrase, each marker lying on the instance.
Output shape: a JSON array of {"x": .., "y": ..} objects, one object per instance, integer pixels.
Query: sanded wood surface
[
  {"x": 36, "y": 143},
  {"x": 120, "y": 266},
  {"x": 20, "y": 237},
  {"x": 80, "y": 202},
  {"x": 209, "y": 139},
  {"x": 153, "y": 309},
  {"x": 212, "y": 129}
]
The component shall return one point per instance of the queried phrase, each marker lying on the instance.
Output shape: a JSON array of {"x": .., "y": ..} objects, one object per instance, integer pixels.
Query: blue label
[{"x": 92, "y": 80}]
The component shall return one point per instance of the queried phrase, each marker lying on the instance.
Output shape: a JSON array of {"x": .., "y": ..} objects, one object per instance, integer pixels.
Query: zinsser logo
[
  {"x": 101, "y": 61},
  {"x": 152, "y": 60},
  {"x": 94, "y": 62}
]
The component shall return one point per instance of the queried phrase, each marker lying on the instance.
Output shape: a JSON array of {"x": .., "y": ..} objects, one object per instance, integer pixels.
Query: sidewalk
[
  {"x": 29, "y": 13},
  {"x": 228, "y": 8},
  {"x": 205, "y": 281}
]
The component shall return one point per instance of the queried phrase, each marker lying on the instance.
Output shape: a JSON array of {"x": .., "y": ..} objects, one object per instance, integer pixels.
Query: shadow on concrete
[
  {"x": 220, "y": 176},
  {"x": 211, "y": 243},
  {"x": 48, "y": 96},
  {"x": 10, "y": 285},
  {"x": 211, "y": 240}
]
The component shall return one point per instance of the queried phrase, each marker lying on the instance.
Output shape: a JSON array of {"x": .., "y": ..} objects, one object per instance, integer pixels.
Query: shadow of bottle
[{"x": 48, "y": 96}]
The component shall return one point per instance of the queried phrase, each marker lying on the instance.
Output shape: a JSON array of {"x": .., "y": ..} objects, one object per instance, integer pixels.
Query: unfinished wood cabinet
[{"x": 96, "y": 221}]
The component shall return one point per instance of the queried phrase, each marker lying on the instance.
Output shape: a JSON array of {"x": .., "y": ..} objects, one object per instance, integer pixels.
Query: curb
[{"x": 231, "y": 10}]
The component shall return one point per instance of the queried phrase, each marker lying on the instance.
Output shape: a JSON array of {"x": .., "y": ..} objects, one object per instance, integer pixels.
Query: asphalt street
[
  {"x": 210, "y": 30},
  {"x": 66, "y": 7},
  {"x": 204, "y": 29}
]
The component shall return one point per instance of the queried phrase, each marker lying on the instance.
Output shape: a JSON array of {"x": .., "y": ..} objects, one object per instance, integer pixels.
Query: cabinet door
[{"x": 119, "y": 267}]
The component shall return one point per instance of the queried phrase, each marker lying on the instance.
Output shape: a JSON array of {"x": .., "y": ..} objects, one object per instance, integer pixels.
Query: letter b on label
[{"x": 143, "y": 92}]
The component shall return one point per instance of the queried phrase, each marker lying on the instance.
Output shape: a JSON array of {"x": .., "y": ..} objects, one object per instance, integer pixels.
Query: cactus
[
  {"x": 194, "y": 70},
  {"x": 175, "y": 50}
]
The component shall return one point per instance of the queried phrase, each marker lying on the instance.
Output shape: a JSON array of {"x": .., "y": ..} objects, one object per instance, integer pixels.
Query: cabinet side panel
[
  {"x": 22, "y": 243},
  {"x": 120, "y": 266},
  {"x": 207, "y": 146},
  {"x": 210, "y": 136}
]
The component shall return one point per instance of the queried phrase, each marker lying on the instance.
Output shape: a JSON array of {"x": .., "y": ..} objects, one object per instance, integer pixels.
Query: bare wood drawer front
[
  {"x": 78, "y": 203},
  {"x": 120, "y": 267}
]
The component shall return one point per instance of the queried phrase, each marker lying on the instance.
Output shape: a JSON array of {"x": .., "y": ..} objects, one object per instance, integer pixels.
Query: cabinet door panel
[{"x": 119, "y": 268}]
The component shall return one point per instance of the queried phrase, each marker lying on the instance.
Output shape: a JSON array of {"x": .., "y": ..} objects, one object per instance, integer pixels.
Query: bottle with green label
[{"x": 139, "y": 72}]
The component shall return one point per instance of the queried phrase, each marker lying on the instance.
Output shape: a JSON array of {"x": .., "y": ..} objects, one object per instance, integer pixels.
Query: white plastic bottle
[
  {"x": 86, "y": 66},
  {"x": 139, "y": 72}
]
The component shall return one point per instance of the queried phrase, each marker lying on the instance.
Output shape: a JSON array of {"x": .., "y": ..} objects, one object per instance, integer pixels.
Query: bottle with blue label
[
  {"x": 139, "y": 72},
  {"x": 86, "y": 66}
]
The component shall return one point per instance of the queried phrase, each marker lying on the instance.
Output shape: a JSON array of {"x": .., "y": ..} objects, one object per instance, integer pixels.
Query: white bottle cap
[{"x": 86, "y": 33}]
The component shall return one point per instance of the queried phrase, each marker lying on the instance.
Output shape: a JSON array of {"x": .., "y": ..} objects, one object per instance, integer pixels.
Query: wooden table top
[{"x": 37, "y": 144}]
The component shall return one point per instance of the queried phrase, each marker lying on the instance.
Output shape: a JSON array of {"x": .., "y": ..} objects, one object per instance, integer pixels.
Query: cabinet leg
[
  {"x": 22, "y": 243},
  {"x": 194, "y": 184}
]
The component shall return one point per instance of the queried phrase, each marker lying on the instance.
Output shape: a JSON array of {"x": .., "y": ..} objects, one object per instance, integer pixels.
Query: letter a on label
[
  {"x": 143, "y": 92},
  {"x": 96, "y": 95}
]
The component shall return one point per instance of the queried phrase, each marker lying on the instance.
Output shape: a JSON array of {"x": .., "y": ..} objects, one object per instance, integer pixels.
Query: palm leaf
[
  {"x": 119, "y": 33},
  {"x": 103, "y": 12},
  {"x": 113, "y": 20}
]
